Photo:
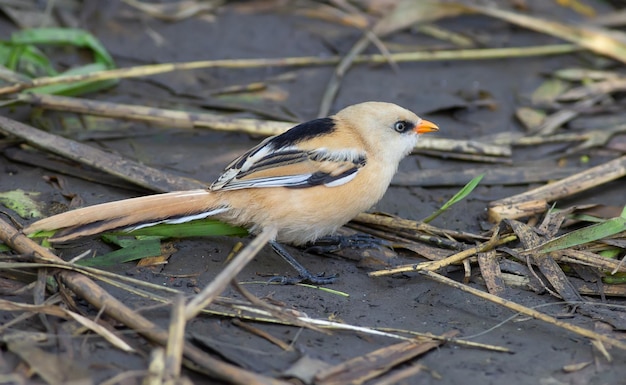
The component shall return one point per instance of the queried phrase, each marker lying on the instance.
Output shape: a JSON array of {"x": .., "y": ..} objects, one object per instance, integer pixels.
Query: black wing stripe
[
  {"x": 322, "y": 178},
  {"x": 239, "y": 162},
  {"x": 304, "y": 131},
  {"x": 270, "y": 161}
]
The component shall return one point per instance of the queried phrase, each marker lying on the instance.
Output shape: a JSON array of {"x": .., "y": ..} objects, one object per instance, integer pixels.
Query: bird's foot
[
  {"x": 334, "y": 243},
  {"x": 304, "y": 275},
  {"x": 312, "y": 279}
]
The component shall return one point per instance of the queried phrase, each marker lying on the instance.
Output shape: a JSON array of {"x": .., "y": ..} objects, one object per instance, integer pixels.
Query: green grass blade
[
  {"x": 197, "y": 228},
  {"x": 617, "y": 279},
  {"x": 134, "y": 250},
  {"x": 21, "y": 54},
  {"x": 65, "y": 36},
  {"x": 585, "y": 235},
  {"x": 148, "y": 242},
  {"x": 27, "y": 60},
  {"x": 459, "y": 196}
]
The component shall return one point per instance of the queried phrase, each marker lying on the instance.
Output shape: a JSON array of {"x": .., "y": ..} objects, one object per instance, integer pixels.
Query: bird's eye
[{"x": 401, "y": 126}]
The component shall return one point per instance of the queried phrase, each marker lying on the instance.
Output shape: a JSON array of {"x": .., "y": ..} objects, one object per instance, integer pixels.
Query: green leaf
[
  {"x": 197, "y": 228},
  {"x": 133, "y": 250},
  {"x": 21, "y": 54},
  {"x": 28, "y": 60},
  {"x": 118, "y": 241},
  {"x": 610, "y": 253},
  {"x": 586, "y": 218},
  {"x": 459, "y": 196},
  {"x": 585, "y": 235},
  {"x": 22, "y": 203},
  {"x": 42, "y": 234},
  {"x": 616, "y": 279},
  {"x": 64, "y": 36}
]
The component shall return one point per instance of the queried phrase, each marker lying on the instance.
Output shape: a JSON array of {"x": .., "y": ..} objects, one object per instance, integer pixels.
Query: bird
[{"x": 304, "y": 183}]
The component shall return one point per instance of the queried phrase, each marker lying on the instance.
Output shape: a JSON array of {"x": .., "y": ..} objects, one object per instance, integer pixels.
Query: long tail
[{"x": 134, "y": 213}]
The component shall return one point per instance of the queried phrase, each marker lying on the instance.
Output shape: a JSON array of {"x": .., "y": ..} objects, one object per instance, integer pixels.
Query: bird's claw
[
  {"x": 319, "y": 279},
  {"x": 334, "y": 243}
]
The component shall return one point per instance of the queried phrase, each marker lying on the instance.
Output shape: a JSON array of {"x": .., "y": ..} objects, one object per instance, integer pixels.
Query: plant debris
[{"x": 566, "y": 145}]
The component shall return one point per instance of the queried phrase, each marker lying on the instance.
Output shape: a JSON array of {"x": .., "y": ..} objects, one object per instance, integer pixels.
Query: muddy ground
[{"x": 432, "y": 89}]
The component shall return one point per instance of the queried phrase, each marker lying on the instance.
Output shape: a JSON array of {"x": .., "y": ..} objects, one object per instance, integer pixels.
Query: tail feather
[{"x": 131, "y": 213}]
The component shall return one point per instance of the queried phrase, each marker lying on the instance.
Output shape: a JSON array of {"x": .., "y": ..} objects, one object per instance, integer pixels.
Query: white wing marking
[
  {"x": 340, "y": 181},
  {"x": 184, "y": 219}
]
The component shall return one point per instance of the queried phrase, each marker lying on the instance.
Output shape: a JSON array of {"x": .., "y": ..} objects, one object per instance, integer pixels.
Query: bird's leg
[
  {"x": 305, "y": 276},
  {"x": 334, "y": 243}
]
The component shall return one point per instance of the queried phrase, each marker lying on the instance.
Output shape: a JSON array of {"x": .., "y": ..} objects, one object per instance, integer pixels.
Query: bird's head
[{"x": 387, "y": 129}]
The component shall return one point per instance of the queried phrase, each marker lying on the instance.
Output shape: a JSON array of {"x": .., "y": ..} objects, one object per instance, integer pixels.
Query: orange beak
[{"x": 425, "y": 126}]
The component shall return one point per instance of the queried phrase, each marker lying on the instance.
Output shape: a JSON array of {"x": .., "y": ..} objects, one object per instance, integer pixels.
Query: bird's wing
[{"x": 290, "y": 166}]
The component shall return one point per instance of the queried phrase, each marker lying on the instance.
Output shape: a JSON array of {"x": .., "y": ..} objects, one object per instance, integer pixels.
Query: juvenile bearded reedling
[{"x": 304, "y": 183}]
